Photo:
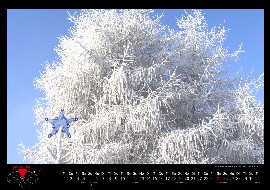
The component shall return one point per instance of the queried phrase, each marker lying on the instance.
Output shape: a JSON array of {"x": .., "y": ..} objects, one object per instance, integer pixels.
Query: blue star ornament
[{"x": 60, "y": 121}]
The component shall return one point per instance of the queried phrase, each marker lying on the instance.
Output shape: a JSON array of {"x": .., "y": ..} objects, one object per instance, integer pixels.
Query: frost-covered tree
[{"x": 144, "y": 93}]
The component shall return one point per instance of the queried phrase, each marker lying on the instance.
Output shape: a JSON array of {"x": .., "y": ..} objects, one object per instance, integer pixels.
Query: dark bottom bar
[{"x": 129, "y": 175}]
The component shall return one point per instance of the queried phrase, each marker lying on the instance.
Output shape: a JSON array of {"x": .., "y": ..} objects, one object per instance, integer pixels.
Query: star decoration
[{"x": 60, "y": 121}]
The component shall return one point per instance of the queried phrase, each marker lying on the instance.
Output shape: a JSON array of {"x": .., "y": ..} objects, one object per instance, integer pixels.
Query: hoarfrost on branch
[{"x": 147, "y": 94}]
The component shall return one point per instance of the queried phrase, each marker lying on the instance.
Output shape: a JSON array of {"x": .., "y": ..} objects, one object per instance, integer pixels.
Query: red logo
[{"x": 22, "y": 176}]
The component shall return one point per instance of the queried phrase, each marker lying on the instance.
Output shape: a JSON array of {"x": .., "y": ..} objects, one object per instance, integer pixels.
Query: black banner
[{"x": 83, "y": 176}]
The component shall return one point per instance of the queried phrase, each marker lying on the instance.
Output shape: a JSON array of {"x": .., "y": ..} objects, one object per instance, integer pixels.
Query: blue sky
[{"x": 32, "y": 35}]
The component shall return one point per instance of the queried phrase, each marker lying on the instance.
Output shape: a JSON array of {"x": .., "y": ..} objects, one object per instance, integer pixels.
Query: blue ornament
[{"x": 60, "y": 121}]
